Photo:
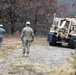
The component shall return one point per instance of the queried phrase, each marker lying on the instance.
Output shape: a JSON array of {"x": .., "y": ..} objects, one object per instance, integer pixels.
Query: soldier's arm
[
  {"x": 22, "y": 34},
  {"x": 4, "y": 31},
  {"x": 32, "y": 35}
]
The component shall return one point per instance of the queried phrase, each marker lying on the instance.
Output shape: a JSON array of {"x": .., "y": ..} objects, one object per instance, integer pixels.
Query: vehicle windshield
[{"x": 55, "y": 25}]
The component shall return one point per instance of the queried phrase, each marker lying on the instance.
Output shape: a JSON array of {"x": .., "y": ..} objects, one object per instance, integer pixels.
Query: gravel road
[
  {"x": 46, "y": 54},
  {"x": 50, "y": 55}
]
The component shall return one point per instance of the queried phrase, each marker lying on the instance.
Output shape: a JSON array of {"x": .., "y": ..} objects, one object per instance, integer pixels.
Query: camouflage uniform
[
  {"x": 27, "y": 36},
  {"x": 2, "y": 31}
]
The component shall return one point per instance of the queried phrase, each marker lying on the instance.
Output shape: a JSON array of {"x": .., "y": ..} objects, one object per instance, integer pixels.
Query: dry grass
[
  {"x": 12, "y": 43},
  {"x": 40, "y": 41},
  {"x": 40, "y": 69}
]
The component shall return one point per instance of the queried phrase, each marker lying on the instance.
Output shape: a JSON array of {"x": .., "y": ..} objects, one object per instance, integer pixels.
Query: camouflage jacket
[
  {"x": 27, "y": 33},
  {"x": 2, "y": 31}
]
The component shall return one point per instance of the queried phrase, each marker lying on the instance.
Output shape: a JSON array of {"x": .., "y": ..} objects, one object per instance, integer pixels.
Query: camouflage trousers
[
  {"x": 1, "y": 39},
  {"x": 26, "y": 46}
]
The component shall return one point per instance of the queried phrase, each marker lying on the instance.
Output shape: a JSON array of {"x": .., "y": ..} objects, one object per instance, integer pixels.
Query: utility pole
[{"x": 36, "y": 16}]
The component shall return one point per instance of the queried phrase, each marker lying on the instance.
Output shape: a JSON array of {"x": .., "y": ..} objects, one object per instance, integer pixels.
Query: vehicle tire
[
  {"x": 53, "y": 42},
  {"x": 73, "y": 44}
]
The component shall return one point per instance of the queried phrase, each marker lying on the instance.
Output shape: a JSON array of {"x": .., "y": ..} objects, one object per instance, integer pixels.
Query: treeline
[{"x": 14, "y": 14}]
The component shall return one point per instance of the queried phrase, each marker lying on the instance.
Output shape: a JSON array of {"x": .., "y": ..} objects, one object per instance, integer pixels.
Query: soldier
[
  {"x": 27, "y": 36},
  {"x": 2, "y": 31}
]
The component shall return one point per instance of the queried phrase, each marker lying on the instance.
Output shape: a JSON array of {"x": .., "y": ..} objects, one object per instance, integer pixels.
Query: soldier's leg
[
  {"x": 28, "y": 47},
  {"x": 23, "y": 50},
  {"x": 1, "y": 39},
  {"x": 24, "y": 47}
]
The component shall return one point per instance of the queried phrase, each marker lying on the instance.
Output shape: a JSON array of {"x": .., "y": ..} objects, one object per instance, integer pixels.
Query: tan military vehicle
[{"x": 63, "y": 30}]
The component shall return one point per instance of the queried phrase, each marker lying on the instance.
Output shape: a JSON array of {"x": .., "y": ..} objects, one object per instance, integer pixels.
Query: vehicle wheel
[
  {"x": 73, "y": 44},
  {"x": 53, "y": 42}
]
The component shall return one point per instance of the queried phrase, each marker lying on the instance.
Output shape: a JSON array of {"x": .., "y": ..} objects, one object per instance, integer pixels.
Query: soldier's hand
[
  {"x": 32, "y": 40},
  {"x": 21, "y": 38}
]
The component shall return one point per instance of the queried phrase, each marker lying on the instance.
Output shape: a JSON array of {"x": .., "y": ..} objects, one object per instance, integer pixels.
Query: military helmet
[
  {"x": 27, "y": 23},
  {"x": 1, "y": 25}
]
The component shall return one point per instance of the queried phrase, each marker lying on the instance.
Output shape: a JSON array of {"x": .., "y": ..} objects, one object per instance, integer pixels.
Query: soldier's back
[
  {"x": 27, "y": 32},
  {"x": 2, "y": 31}
]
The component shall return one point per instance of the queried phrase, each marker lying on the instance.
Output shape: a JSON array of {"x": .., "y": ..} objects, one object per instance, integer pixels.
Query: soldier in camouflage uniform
[
  {"x": 27, "y": 36},
  {"x": 2, "y": 31}
]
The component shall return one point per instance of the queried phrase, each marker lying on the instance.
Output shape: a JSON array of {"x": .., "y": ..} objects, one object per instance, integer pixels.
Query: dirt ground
[{"x": 43, "y": 59}]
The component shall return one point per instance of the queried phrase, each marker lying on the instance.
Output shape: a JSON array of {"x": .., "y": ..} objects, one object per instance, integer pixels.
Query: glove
[{"x": 32, "y": 40}]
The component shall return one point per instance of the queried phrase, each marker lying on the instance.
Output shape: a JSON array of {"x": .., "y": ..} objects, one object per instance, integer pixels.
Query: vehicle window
[
  {"x": 55, "y": 22},
  {"x": 73, "y": 28}
]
